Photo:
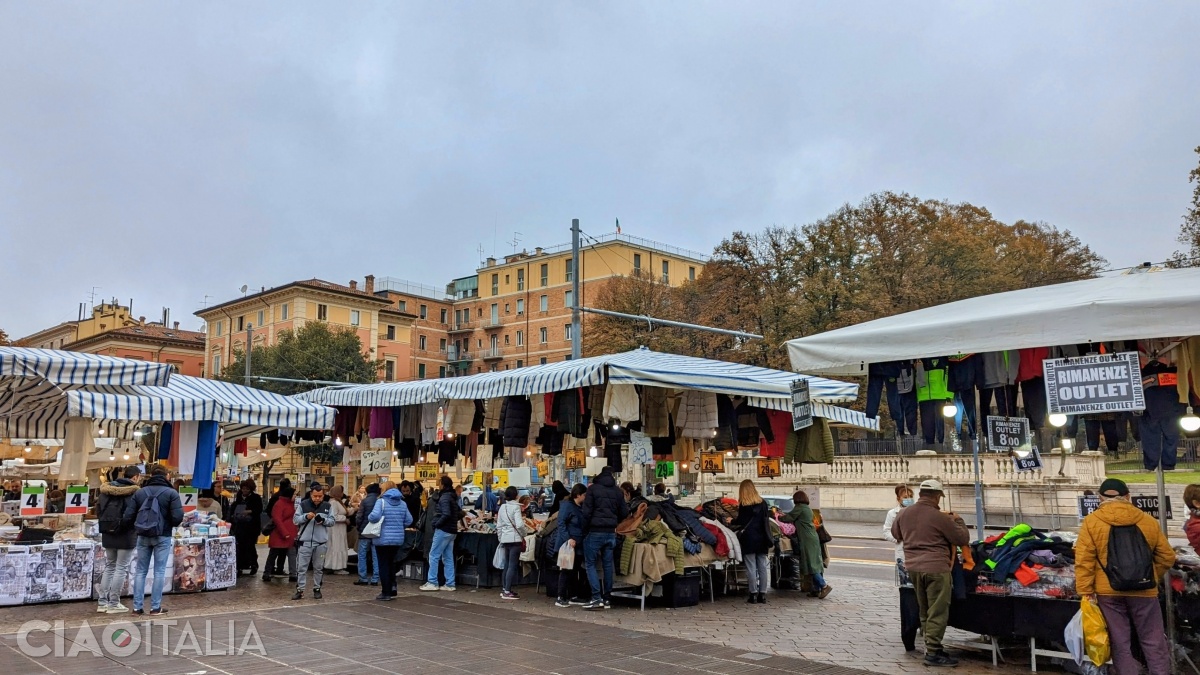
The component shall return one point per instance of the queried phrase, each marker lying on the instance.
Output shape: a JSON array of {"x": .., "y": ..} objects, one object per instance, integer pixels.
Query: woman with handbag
[
  {"x": 811, "y": 562},
  {"x": 393, "y": 513},
  {"x": 754, "y": 535},
  {"x": 282, "y": 536},
  {"x": 570, "y": 534},
  {"x": 511, "y": 530}
]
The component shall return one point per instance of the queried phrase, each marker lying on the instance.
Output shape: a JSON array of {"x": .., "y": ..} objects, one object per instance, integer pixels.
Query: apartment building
[
  {"x": 382, "y": 326},
  {"x": 112, "y": 330}
]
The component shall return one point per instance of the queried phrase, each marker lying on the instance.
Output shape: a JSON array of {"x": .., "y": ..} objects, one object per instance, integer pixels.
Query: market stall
[{"x": 1115, "y": 349}]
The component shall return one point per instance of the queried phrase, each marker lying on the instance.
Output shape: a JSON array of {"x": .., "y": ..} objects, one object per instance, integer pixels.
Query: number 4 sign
[
  {"x": 33, "y": 500},
  {"x": 77, "y": 499}
]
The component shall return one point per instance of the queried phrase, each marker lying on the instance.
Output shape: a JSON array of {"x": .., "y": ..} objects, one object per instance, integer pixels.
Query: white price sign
[
  {"x": 189, "y": 496},
  {"x": 375, "y": 462}
]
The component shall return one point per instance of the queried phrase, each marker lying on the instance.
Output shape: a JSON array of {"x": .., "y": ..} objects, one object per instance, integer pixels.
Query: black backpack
[
  {"x": 1130, "y": 565},
  {"x": 110, "y": 515}
]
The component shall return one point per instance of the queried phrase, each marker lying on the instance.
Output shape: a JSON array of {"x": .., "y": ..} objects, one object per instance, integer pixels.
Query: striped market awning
[{"x": 77, "y": 369}]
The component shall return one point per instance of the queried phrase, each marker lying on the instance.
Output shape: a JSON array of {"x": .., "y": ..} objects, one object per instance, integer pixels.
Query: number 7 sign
[{"x": 33, "y": 500}]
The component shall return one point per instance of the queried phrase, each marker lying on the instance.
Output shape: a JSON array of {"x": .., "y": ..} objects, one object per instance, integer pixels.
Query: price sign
[
  {"x": 1149, "y": 504},
  {"x": 427, "y": 471},
  {"x": 641, "y": 449},
  {"x": 543, "y": 467},
  {"x": 77, "y": 499},
  {"x": 576, "y": 459},
  {"x": 1030, "y": 462},
  {"x": 33, "y": 500},
  {"x": 1008, "y": 434},
  {"x": 768, "y": 467},
  {"x": 189, "y": 496},
  {"x": 375, "y": 462},
  {"x": 321, "y": 468},
  {"x": 664, "y": 469},
  {"x": 801, "y": 405},
  {"x": 712, "y": 462},
  {"x": 379, "y": 444}
]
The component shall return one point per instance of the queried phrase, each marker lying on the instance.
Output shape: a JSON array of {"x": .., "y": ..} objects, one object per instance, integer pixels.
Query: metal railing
[{"x": 492, "y": 353}]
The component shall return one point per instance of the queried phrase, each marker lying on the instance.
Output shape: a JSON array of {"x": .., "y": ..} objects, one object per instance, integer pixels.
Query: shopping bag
[
  {"x": 372, "y": 530},
  {"x": 566, "y": 556},
  {"x": 1095, "y": 632},
  {"x": 498, "y": 558},
  {"x": 1073, "y": 637}
]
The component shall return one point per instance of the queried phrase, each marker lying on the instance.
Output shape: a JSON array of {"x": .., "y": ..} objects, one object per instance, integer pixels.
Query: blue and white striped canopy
[
  {"x": 763, "y": 386},
  {"x": 77, "y": 369}
]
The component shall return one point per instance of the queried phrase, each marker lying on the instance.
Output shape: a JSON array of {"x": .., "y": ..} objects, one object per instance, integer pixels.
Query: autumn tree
[
  {"x": 1189, "y": 231},
  {"x": 4, "y": 338},
  {"x": 316, "y": 351}
]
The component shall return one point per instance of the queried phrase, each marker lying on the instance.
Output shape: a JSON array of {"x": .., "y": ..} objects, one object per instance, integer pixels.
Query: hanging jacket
[
  {"x": 964, "y": 373},
  {"x": 515, "y": 417},
  {"x": 813, "y": 445},
  {"x": 933, "y": 387},
  {"x": 569, "y": 412},
  {"x": 460, "y": 413},
  {"x": 1030, "y": 365},
  {"x": 752, "y": 423},
  {"x": 697, "y": 414},
  {"x": 621, "y": 403},
  {"x": 655, "y": 412},
  {"x": 1000, "y": 368},
  {"x": 776, "y": 433}
]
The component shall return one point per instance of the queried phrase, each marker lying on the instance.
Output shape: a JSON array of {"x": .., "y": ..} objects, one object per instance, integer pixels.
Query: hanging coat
[
  {"x": 515, "y": 416},
  {"x": 813, "y": 445}
]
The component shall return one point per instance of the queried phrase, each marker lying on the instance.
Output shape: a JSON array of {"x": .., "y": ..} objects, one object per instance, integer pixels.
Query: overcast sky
[{"x": 169, "y": 151}]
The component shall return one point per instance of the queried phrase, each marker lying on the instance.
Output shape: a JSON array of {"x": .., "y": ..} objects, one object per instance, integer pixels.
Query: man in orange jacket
[{"x": 1124, "y": 611}]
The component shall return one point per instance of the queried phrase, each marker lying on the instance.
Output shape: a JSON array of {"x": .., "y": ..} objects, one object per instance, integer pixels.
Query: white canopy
[{"x": 1138, "y": 304}]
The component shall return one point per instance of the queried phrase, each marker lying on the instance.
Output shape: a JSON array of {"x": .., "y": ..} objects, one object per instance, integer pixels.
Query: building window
[
  {"x": 542, "y": 335},
  {"x": 421, "y": 371},
  {"x": 424, "y": 312},
  {"x": 389, "y": 371},
  {"x": 520, "y": 306},
  {"x": 495, "y": 284},
  {"x": 261, "y": 317},
  {"x": 220, "y": 328},
  {"x": 322, "y": 312},
  {"x": 355, "y": 317},
  {"x": 443, "y": 315},
  {"x": 691, "y": 273},
  {"x": 507, "y": 308},
  {"x": 637, "y": 262},
  {"x": 493, "y": 368},
  {"x": 216, "y": 364},
  {"x": 520, "y": 338},
  {"x": 545, "y": 274},
  {"x": 403, "y": 305},
  {"x": 441, "y": 371},
  {"x": 506, "y": 280},
  {"x": 421, "y": 343},
  {"x": 569, "y": 299},
  {"x": 520, "y": 280},
  {"x": 241, "y": 323},
  {"x": 542, "y": 360},
  {"x": 283, "y": 312},
  {"x": 570, "y": 269},
  {"x": 567, "y": 332},
  {"x": 544, "y": 303},
  {"x": 666, "y": 272},
  {"x": 391, "y": 332},
  {"x": 520, "y": 363},
  {"x": 495, "y": 314},
  {"x": 442, "y": 344},
  {"x": 506, "y": 339}
]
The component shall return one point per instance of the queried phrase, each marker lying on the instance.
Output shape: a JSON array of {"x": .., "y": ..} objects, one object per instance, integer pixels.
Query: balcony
[
  {"x": 461, "y": 356},
  {"x": 461, "y": 327},
  {"x": 492, "y": 324},
  {"x": 492, "y": 354}
]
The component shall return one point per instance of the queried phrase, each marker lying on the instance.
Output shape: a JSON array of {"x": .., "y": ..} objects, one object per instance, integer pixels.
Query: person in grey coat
[{"x": 314, "y": 520}]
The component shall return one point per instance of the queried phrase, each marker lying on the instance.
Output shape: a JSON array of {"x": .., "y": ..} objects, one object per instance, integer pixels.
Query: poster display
[
  {"x": 12, "y": 574},
  {"x": 801, "y": 405},
  {"x": 44, "y": 573},
  {"x": 220, "y": 563},
  {"x": 188, "y": 575},
  {"x": 78, "y": 559}
]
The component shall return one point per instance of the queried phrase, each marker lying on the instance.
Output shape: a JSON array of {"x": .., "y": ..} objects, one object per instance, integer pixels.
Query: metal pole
[
  {"x": 978, "y": 489},
  {"x": 249, "y": 349},
  {"x": 664, "y": 322},
  {"x": 576, "y": 323},
  {"x": 1162, "y": 520}
]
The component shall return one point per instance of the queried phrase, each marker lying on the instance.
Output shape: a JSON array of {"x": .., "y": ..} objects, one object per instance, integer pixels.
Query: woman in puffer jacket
[
  {"x": 510, "y": 529},
  {"x": 396, "y": 517}
]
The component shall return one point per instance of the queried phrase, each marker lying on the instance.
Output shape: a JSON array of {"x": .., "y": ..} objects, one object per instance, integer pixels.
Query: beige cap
[{"x": 932, "y": 485}]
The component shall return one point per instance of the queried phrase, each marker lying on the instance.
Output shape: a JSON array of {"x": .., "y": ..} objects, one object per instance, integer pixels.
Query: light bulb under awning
[{"x": 1190, "y": 422}]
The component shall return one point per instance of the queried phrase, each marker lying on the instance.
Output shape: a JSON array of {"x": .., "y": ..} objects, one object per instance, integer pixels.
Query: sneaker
[
  {"x": 266, "y": 577},
  {"x": 158, "y": 612},
  {"x": 508, "y": 595},
  {"x": 825, "y": 592},
  {"x": 375, "y": 583},
  {"x": 384, "y": 598},
  {"x": 298, "y": 595},
  {"x": 579, "y": 602},
  {"x": 448, "y": 588},
  {"x": 317, "y": 593},
  {"x": 102, "y": 609},
  {"x": 608, "y": 604},
  {"x": 138, "y": 612},
  {"x": 594, "y": 605},
  {"x": 940, "y": 659},
  {"x": 361, "y": 582},
  {"x": 428, "y": 587},
  {"x": 117, "y": 609},
  {"x": 561, "y": 602}
]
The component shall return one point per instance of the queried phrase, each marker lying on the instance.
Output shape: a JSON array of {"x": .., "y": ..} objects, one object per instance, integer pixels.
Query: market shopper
[
  {"x": 1133, "y": 609},
  {"x": 154, "y": 510},
  {"x": 754, "y": 536},
  {"x": 393, "y": 511},
  {"x": 570, "y": 532},
  {"x": 447, "y": 513},
  {"x": 510, "y": 530},
  {"x": 909, "y": 612},
  {"x": 560, "y": 492},
  {"x": 603, "y": 509},
  {"x": 368, "y": 555},
  {"x": 282, "y": 539},
  {"x": 117, "y": 536},
  {"x": 929, "y": 538},
  {"x": 1191, "y": 499},
  {"x": 207, "y": 502},
  {"x": 314, "y": 520},
  {"x": 812, "y": 561},
  {"x": 337, "y": 558},
  {"x": 246, "y": 525}
]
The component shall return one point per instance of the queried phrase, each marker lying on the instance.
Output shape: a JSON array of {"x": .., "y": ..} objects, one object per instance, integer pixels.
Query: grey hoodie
[{"x": 1000, "y": 368}]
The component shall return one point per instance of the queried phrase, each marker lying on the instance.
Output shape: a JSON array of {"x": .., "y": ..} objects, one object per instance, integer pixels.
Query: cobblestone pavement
[{"x": 856, "y": 627}]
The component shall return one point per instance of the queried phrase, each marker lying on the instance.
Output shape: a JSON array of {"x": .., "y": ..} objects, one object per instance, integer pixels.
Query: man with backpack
[
  {"x": 154, "y": 510},
  {"x": 1120, "y": 557},
  {"x": 117, "y": 536}
]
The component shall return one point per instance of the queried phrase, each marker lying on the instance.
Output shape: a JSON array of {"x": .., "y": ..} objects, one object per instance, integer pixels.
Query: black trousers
[
  {"x": 910, "y": 618},
  {"x": 1006, "y": 402},
  {"x": 1033, "y": 393},
  {"x": 933, "y": 423},
  {"x": 387, "y": 568},
  {"x": 1093, "y": 427},
  {"x": 247, "y": 553}
]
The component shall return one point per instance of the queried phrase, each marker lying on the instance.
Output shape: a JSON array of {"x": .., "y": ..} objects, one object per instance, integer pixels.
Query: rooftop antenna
[
  {"x": 480, "y": 250},
  {"x": 515, "y": 241},
  {"x": 206, "y": 297},
  {"x": 92, "y": 298}
]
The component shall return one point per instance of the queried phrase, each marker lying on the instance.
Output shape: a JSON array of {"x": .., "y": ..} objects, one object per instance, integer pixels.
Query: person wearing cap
[
  {"x": 314, "y": 520},
  {"x": 930, "y": 538},
  {"x": 1124, "y": 611}
]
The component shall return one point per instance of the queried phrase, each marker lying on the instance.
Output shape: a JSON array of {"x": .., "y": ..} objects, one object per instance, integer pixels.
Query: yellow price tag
[
  {"x": 712, "y": 462},
  {"x": 576, "y": 459},
  {"x": 768, "y": 467},
  {"x": 427, "y": 471}
]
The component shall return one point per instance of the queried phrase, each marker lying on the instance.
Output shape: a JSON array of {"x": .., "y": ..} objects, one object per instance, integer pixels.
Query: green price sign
[{"x": 664, "y": 469}]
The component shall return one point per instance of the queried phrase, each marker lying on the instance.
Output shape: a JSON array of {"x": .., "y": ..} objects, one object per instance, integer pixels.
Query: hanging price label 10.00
[{"x": 426, "y": 471}]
